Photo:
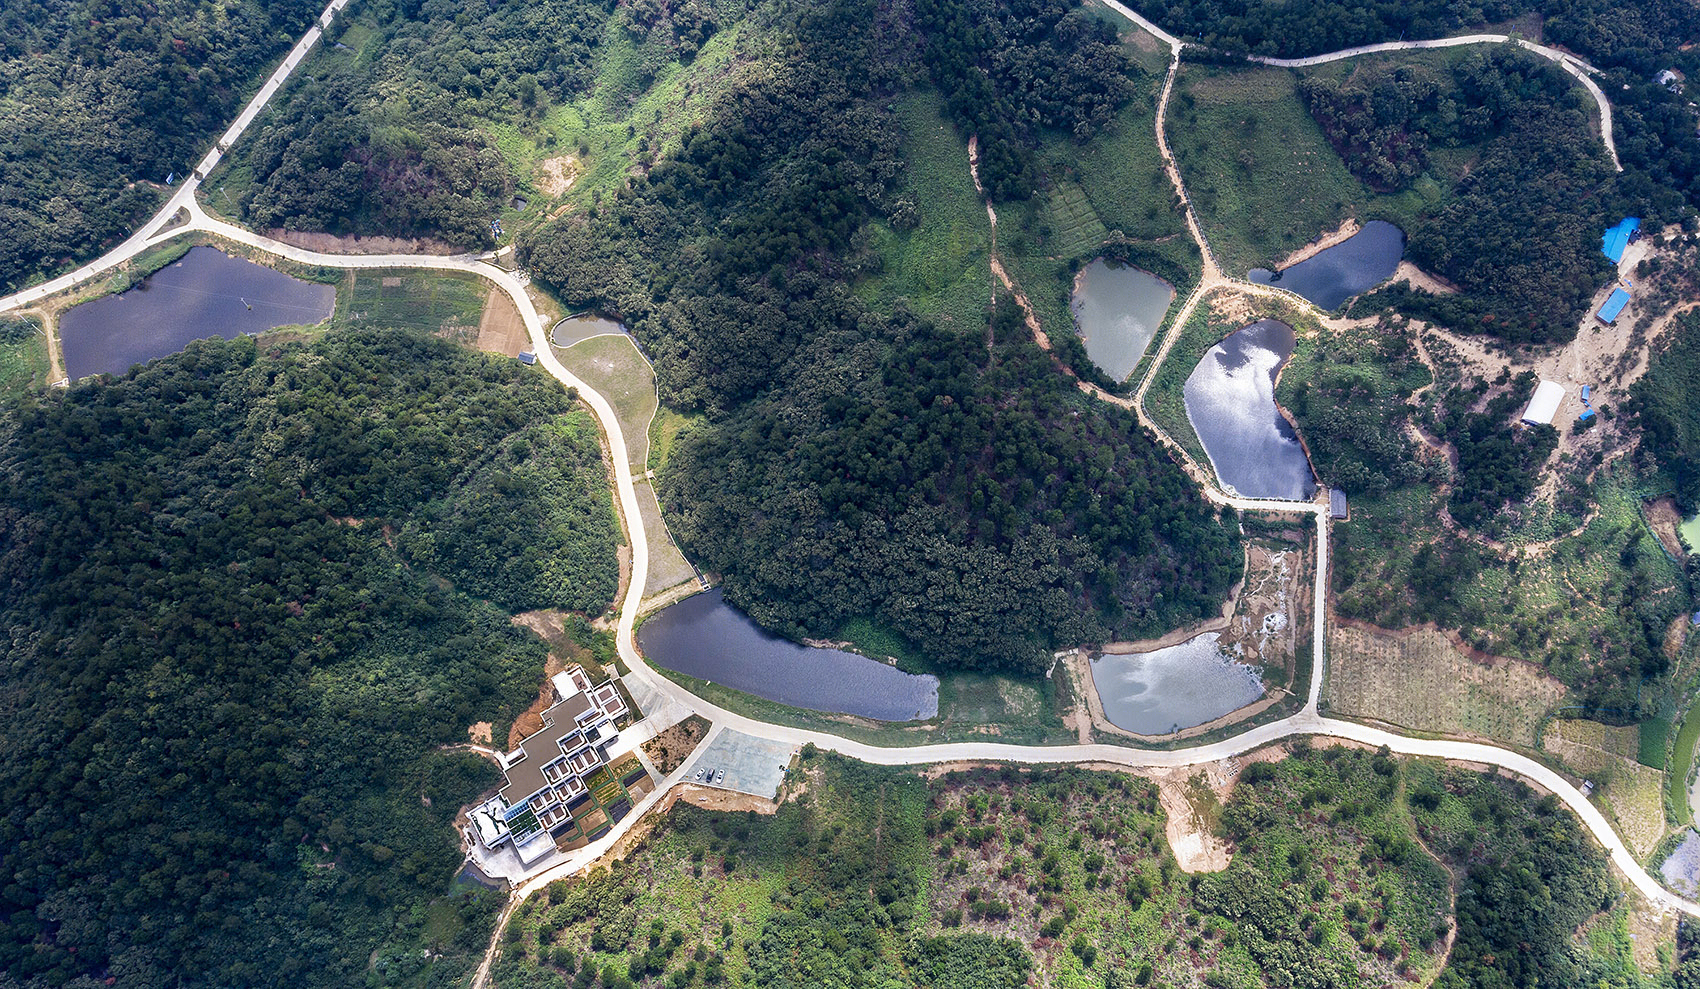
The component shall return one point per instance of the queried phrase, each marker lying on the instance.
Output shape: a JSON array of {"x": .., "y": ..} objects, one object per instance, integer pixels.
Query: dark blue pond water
[
  {"x": 707, "y": 638},
  {"x": 1356, "y": 264},
  {"x": 206, "y": 294},
  {"x": 1230, "y": 401}
]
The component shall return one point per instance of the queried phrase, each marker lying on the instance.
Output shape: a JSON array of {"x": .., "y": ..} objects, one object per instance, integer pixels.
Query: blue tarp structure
[
  {"x": 1617, "y": 238},
  {"x": 1586, "y": 415},
  {"x": 1614, "y": 305}
]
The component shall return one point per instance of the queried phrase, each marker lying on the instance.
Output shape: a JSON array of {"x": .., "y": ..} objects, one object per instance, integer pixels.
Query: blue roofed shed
[
  {"x": 1614, "y": 305},
  {"x": 1617, "y": 238},
  {"x": 527, "y": 357}
]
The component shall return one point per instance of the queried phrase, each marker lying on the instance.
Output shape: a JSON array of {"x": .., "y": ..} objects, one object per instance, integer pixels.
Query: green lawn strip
[
  {"x": 410, "y": 300},
  {"x": 938, "y": 265},
  {"x": 23, "y": 355},
  {"x": 1654, "y": 743},
  {"x": 613, "y": 366},
  {"x": 1682, "y": 764}
]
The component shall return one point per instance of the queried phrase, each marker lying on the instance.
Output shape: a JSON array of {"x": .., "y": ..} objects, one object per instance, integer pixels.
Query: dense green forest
[
  {"x": 100, "y": 100},
  {"x": 1342, "y": 869},
  {"x": 394, "y": 136},
  {"x": 950, "y": 484},
  {"x": 1520, "y": 233},
  {"x": 225, "y": 689},
  {"x": 1663, "y": 405}
]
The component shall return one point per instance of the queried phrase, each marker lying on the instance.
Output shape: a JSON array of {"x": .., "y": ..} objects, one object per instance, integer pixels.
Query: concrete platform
[{"x": 752, "y": 765}]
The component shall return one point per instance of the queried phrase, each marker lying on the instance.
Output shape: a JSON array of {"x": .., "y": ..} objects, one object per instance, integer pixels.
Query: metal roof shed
[
  {"x": 1544, "y": 405},
  {"x": 1614, "y": 306},
  {"x": 1617, "y": 238}
]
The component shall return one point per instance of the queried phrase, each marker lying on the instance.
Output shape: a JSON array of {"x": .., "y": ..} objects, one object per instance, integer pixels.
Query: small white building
[{"x": 1544, "y": 406}]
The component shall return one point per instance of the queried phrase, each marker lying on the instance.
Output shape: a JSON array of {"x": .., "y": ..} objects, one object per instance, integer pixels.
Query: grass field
[
  {"x": 1418, "y": 680},
  {"x": 664, "y": 431},
  {"x": 23, "y": 355},
  {"x": 1682, "y": 765},
  {"x": 940, "y": 266},
  {"x": 1606, "y": 754},
  {"x": 612, "y": 365},
  {"x": 437, "y": 303}
]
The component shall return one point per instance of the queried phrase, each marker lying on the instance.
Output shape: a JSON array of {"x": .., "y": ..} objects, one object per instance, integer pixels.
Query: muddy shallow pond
[
  {"x": 1117, "y": 310},
  {"x": 574, "y": 329},
  {"x": 1174, "y": 688},
  {"x": 1230, "y": 401},
  {"x": 205, "y": 294},
  {"x": 1356, "y": 264},
  {"x": 707, "y": 638}
]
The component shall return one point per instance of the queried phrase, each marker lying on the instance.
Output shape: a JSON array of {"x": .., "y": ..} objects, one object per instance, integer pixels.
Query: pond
[
  {"x": 1118, "y": 310},
  {"x": 707, "y": 638},
  {"x": 1690, "y": 530},
  {"x": 1230, "y": 401},
  {"x": 574, "y": 329},
  {"x": 1356, "y": 264},
  {"x": 205, "y": 294},
  {"x": 1681, "y": 871},
  {"x": 1174, "y": 688}
]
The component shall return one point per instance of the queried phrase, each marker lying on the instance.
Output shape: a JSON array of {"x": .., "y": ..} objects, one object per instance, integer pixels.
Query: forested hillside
[
  {"x": 1344, "y": 866},
  {"x": 225, "y": 688},
  {"x": 952, "y": 484},
  {"x": 100, "y": 100}
]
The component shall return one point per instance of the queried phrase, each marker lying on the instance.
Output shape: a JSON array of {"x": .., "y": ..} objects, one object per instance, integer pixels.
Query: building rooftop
[
  {"x": 1544, "y": 405},
  {"x": 1617, "y": 238},
  {"x": 1614, "y": 304}
]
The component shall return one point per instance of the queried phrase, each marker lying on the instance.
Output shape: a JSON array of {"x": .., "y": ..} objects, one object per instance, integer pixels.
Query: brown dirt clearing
[
  {"x": 329, "y": 244},
  {"x": 669, "y": 749},
  {"x": 556, "y": 175},
  {"x": 502, "y": 329},
  {"x": 479, "y": 732}
]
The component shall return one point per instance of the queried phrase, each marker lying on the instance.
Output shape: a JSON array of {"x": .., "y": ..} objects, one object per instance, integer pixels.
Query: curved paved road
[
  {"x": 1570, "y": 63},
  {"x": 1306, "y": 722}
]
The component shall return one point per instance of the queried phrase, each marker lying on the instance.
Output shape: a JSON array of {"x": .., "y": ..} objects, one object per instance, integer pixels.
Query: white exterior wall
[{"x": 1544, "y": 405}]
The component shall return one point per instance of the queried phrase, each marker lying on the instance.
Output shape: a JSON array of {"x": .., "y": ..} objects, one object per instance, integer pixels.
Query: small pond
[
  {"x": 1174, "y": 688},
  {"x": 574, "y": 329},
  {"x": 707, "y": 638},
  {"x": 1118, "y": 310},
  {"x": 1230, "y": 401},
  {"x": 1681, "y": 871},
  {"x": 1356, "y": 264},
  {"x": 205, "y": 294},
  {"x": 1690, "y": 530}
]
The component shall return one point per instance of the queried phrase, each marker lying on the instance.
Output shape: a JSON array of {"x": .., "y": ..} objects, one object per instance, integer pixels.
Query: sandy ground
[
  {"x": 1664, "y": 519},
  {"x": 479, "y": 732},
  {"x": 328, "y": 244},
  {"x": 556, "y": 175},
  {"x": 502, "y": 330},
  {"x": 673, "y": 746},
  {"x": 1341, "y": 233},
  {"x": 1418, "y": 278},
  {"x": 530, "y": 722}
]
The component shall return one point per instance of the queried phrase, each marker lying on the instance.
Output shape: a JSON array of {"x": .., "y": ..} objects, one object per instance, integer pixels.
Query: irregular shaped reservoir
[
  {"x": 1681, "y": 870},
  {"x": 1174, "y": 688},
  {"x": 205, "y": 294},
  {"x": 707, "y": 638},
  {"x": 1356, "y": 264},
  {"x": 573, "y": 329},
  {"x": 1230, "y": 401},
  {"x": 1118, "y": 310}
]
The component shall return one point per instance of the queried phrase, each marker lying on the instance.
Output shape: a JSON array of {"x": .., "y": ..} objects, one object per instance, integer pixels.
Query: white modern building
[
  {"x": 546, "y": 773},
  {"x": 1544, "y": 405}
]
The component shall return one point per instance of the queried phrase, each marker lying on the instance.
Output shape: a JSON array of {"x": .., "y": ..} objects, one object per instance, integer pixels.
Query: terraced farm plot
[
  {"x": 1419, "y": 680},
  {"x": 450, "y": 305},
  {"x": 1076, "y": 230}
]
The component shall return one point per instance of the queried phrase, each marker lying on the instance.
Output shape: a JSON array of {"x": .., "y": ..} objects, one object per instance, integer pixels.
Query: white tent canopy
[{"x": 1544, "y": 405}]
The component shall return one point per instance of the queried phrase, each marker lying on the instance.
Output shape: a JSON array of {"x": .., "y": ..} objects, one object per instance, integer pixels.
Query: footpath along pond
[
  {"x": 704, "y": 637},
  {"x": 1331, "y": 276},
  {"x": 1174, "y": 688},
  {"x": 205, "y": 294},
  {"x": 1118, "y": 310},
  {"x": 1230, "y": 401}
]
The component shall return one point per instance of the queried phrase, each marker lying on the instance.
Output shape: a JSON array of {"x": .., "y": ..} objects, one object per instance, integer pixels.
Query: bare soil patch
[
  {"x": 530, "y": 721},
  {"x": 1419, "y": 678},
  {"x": 1418, "y": 278},
  {"x": 1191, "y": 808},
  {"x": 479, "y": 732},
  {"x": 555, "y": 176},
  {"x": 1340, "y": 234},
  {"x": 1665, "y": 520},
  {"x": 330, "y": 244},
  {"x": 714, "y": 798},
  {"x": 669, "y": 749},
  {"x": 502, "y": 330}
]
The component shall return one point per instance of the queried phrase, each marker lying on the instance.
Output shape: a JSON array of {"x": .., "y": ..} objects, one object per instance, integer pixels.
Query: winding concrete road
[{"x": 1307, "y": 722}]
